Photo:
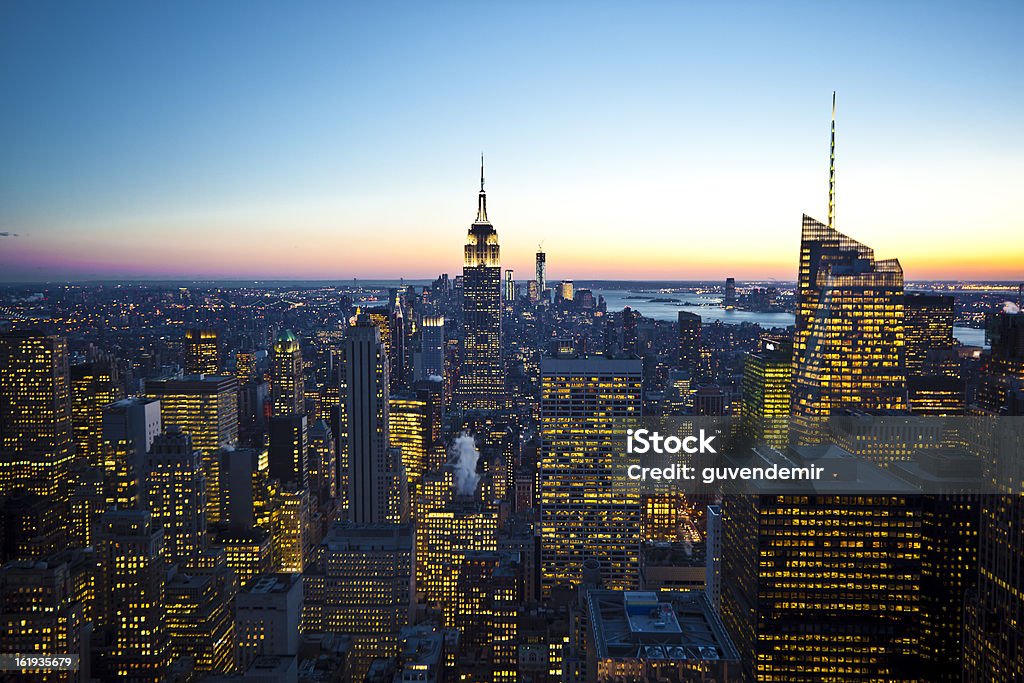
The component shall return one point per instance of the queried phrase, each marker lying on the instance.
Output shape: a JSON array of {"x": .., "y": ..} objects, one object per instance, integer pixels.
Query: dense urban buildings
[{"x": 426, "y": 480}]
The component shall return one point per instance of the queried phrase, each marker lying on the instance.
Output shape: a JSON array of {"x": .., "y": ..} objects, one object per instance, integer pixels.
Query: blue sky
[{"x": 646, "y": 140}]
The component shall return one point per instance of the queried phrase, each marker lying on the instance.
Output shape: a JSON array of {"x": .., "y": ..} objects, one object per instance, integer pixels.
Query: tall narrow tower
[
  {"x": 482, "y": 379},
  {"x": 848, "y": 344},
  {"x": 542, "y": 270}
]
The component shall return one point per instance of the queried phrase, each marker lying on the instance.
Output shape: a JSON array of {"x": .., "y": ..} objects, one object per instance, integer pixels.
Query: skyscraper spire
[
  {"x": 831, "y": 169},
  {"x": 481, "y": 205}
]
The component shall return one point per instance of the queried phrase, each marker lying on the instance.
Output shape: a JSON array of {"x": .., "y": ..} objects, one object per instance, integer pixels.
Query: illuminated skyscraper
[
  {"x": 93, "y": 386},
  {"x": 730, "y": 292},
  {"x": 766, "y": 392},
  {"x": 443, "y": 537},
  {"x": 565, "y": 290},
  {"x": 414, "y": 424},
  {"x": 202, "y": 352},
  {"x": 42, "y": 611},
  {"x": 482, "y": 376},
  {"x": 584, "y": 403},
  {"x": 367, "y": 572},
  {"x": 630, "y": 337},
  {"x": 200, "y": 600},
  {"x": 825, "y": 585},
  {"x": 129, "y": 428},
  {"x": 176, "y": 495},
  {"x": 206, "y": 408},
  {"x": 848, "y": 347},
  {"x": 35, "y": 412},
  {"x": 934, "y": 385},
  {"x": 290, "y": 526},
  {"x": 130, "y": 594},
  {"x": 287, "y": 388},
  {"x": 542, "y": 271}
]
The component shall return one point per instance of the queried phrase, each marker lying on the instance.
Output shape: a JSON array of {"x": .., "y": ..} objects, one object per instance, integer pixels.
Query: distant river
[{"x": 709, "y": 308}]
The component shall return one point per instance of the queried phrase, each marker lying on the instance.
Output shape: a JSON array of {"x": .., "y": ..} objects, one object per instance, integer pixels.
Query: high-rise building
[
  {"x": 928, "y": 325},
  {"x": 730, "y": 292},
  {"x": 287, "y": 385},
  {"x": 267, "y": 614},
  {"x": 289, "y": 450},
  {"x": 443, "y": 537},
  {"x": 766, "y": 393},
  {"x": 206, "y": 408},
  {"x": 200, "y": 600},
  {"x": 43, "y": 610},
  {"x": 371, "y": 472},
  {"x": 934, "y": 384},
  {"x": 630, "y": 337},
  {"x": 584, "y": 402},
  {"x": 565, "y": 290},
  {"x": 510, "y": 286},
  {"x": 482, "y": 375},
  {"x": 367, "y": 574},
  {"x": 202, "y": 352},
  {"x": 994, "y": 618},
  {"x": 130, "y": 594},
  {"x": 689, "y": 342},
  {"x": 323, "y": 463},
  {"x": 129, "y": 428},
  {"x": 431, "y": 347},
  {"x": 848, "y": 346},
  {"x": 93, "y": 386},
  {"x": 35, "y": 412},
  {"x": 176, "y": 495},
  {"x": 824, "y": 583},
  {"x": 542, "y": 270},
  {"x": 1002, "y": 368},
  {"x": 244, "y": 473},
  {"x": 290, "y": 526}
]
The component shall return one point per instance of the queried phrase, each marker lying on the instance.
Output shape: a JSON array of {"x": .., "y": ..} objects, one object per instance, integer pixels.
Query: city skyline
[{"x": 237, "y": 159}]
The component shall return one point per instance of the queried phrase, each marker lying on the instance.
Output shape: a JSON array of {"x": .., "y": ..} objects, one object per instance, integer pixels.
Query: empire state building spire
[{"x": 481, "y": 205}]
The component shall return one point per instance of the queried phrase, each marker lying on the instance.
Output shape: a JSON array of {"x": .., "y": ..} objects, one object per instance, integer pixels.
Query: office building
[
  {"x": 93, "y": 386},
  {"x": 541, "y": 270},
  {"x": 823, "y": 583},
  {"x": 287, "y": 385},
  {"x": 367, "y": 575},
  {"x": 202, "y": 352},
  {"x": 130, "y": 596},
  {"x": 200, "y": 600},
  {"x": 689, "y": 342},
  {"x": 766, "y": 392},
  {"x": 289, "y": 450},
  {"x": 267, "y": 614},
  {"x": 431, "y": 347},
  {"x": 176, "y": 495},
  {"x": 443, "y": 537},
  {"x": 206, "y": 408},
  {"x": 376, "y": 482},
  {"x": 584, "y": 403},
  {"x": 35, "y": 412}
]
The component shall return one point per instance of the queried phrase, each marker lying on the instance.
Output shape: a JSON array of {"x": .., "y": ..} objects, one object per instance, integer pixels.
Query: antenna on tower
[
  {"x": 832, "y": 169},
  {"x": 482, "y": 166}
]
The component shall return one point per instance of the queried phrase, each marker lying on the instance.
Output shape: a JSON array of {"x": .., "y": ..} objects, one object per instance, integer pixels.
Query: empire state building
[{"x": 482, "y": 376}]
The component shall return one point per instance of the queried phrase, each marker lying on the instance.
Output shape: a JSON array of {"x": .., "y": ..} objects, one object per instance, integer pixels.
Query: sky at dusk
[{"x": 656, "y": 140}]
